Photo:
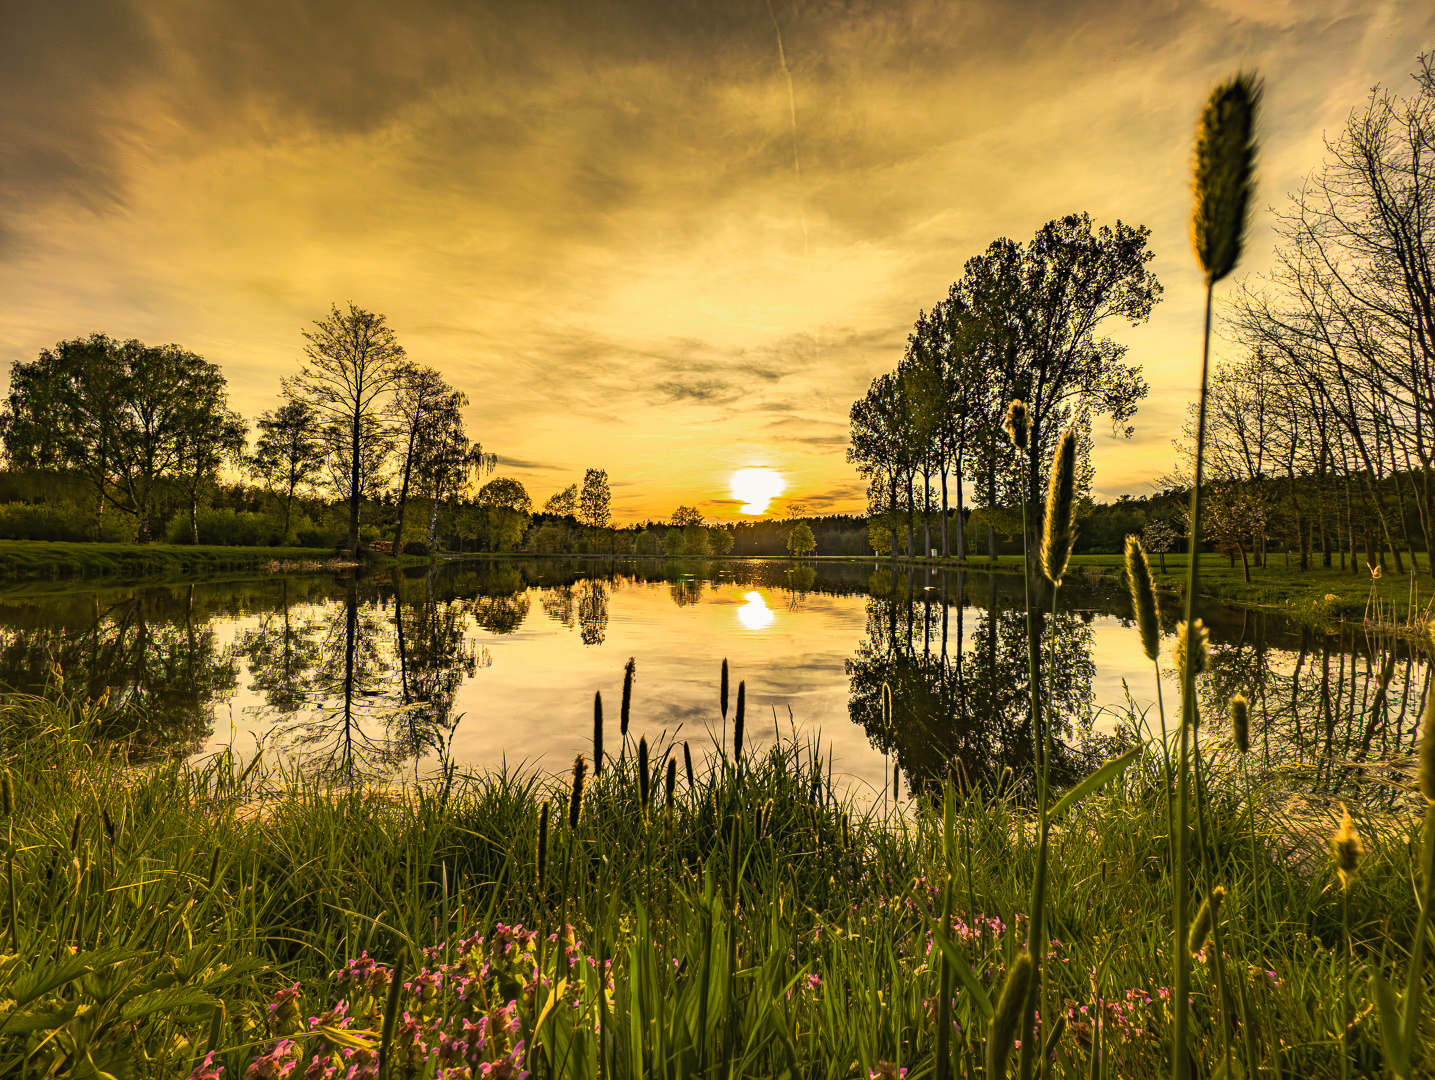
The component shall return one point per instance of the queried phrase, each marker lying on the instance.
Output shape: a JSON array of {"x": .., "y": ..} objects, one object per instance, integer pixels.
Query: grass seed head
[
  {"x": 1002, "y": 1035},
  {"x": 629, "y": 669},
  {"x": 1017, "y": 424},
  {"x": 672, "y": 782},
  {"x": 7, "y": 793},
  {"x": 1143, "y": 598},
  {"x": 597, "y": 732},
  {"x": 1205, "y": 918},
  {"x": 575, "y": 800},
  {"x": 644, "y": 794},
  {"x": 722, "y": 689},
  {"x": 1200, "y": 648},
  {"x": 1345, "y": 848},
  {"x": 737, "y": 721},
  {"x": 688, "y": 764},
  {"x": 1241, "y": 723},
  {"x": 1225, "y": 174},
  {"x": 1060, "y": 524}
]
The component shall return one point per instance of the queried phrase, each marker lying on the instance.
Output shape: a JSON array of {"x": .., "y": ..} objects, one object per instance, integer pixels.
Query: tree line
[
  {"x": 1023, "y": 322},
  {"x": 1320, "y": 427},
  {"x": 361, "y": 429}
]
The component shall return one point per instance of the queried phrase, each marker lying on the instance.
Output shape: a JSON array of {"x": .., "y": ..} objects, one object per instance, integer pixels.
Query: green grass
[
  {"x": 157, "y": 913},
  {"x": 30, "y": 559},
  {"x": 1274, "y": 585}
]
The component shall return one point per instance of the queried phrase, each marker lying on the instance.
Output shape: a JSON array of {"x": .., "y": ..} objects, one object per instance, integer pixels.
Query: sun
[{"x": 756, "y": 488}]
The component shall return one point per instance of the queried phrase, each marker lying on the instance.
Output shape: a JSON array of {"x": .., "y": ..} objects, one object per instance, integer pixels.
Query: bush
[
  {"x": 228, "y": 528},
  {"x": 416, "y": 547},
  {"x": 63, "y": 521}
]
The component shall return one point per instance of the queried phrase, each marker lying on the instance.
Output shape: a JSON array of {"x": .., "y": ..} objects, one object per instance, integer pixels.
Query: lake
[{"x": 496, "y": 662}]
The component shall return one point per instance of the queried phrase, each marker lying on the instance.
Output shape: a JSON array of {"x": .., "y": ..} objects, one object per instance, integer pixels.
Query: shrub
[
  {"x": 416, "y": 547},
  {"x": 63, "y": 521},
  {"x": 229, "y": 528}
]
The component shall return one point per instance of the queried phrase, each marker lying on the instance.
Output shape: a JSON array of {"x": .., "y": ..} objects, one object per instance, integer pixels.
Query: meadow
[{"x": 741, "y": 918}]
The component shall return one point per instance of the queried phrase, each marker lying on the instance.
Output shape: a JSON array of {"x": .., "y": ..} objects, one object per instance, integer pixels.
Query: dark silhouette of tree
[
  {"x": 595, "y": 501},
  {"x": 414, "y": 412},
  {"x": 289, "y": 453},
  {"x": 354, "y": 366}
]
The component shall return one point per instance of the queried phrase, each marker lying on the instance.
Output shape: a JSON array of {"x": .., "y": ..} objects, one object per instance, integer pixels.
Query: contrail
[{"x": 792, "y": 112}]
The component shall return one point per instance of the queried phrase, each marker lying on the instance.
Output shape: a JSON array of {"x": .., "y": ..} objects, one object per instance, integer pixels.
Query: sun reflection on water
[{"x": 755, "y": 614}]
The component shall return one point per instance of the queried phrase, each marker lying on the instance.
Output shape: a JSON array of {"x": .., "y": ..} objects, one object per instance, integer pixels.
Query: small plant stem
[
  {"x": 1181, "y": 976},
  {"x": 1345, "y": 983},
  {"x": 1165, "y": 752}
]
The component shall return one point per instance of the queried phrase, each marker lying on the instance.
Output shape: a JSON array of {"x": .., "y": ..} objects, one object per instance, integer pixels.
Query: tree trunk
[
  {"x": 946, "y": 515},
  {"x": 961, "y": 530},
  {"x": 194, "y": 514},
  {"x": 354, "y": 482},
  {"x": 404, "y": 491}
]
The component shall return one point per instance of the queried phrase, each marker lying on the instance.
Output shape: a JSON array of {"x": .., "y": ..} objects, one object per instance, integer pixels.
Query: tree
[
  {"x": 563, "y": 503},
  {"x": 131, "y": 418},
  {"x": 687, "y": 515},
  {"x": 289, "y": 453},
  {"x": 210, "y": 437},
  {"x": 674, "y": 543},
  {"x": 414, "y": 409},
  {"x": 451, "y": 461},
  {"x": 506, "y": 492},
  {"x": 354, "y": 365},
  {"x": 1157, "y": 535},
  {"x": 595, "y": 501},
  {"x": 800, "y": 541},
  {"x": 719, "y": 540},
  {"x": 1039, "y": 308}
]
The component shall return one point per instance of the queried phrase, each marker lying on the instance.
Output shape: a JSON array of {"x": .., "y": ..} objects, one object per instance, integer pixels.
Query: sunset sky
[{"x": 589, "y": 215}]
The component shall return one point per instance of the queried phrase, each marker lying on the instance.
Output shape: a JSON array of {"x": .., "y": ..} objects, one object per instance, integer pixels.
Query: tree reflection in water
[
  {"x": 958, "y": 701},
  {"x": 151, "y": 650}
]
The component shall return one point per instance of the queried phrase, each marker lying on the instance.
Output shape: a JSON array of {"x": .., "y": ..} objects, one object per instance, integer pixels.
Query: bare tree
[{"x": 354, "y": 365}]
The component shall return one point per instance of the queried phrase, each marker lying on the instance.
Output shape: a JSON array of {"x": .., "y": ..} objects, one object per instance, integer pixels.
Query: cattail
[
  {"x": 575, "y": 802},
  {"x": 688, "y": 761},
  {"x": 846, "y": 834},
  {"x": 1017, "y": 424},
  {"x": 214, "y": 866},
  {"x": 737, "y": 721},
  {"x": 7, "y": 793},
  {"x": 75, "y": 834},
  {"x": 1200, "y": 652},
  {"x": 1205, "y": 917},
  {"x": 1427, "y": 751},
  {"x": 1345, "y": 848},
  {"x": 628, "y": 671},
  {"x": 542, "y": 844},
  {"x": 598, "y": 732},
  {"x": 722, "y": 689},
  {"x": 109, "y": 822},
  {"x": 672, "y": 783},
  {"x": 1241, "y": 723},
  {"x": 1143, "y": 598},
  {"x": 643, "y": 779},
  {"x": 1060, "y": 525},
  {"x": 1225, "y": 170},
  {"x": 1002, "y": 1035}
]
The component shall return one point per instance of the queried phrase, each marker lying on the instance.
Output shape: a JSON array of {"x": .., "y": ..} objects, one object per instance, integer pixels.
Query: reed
[{"x": 598, "y": 733}]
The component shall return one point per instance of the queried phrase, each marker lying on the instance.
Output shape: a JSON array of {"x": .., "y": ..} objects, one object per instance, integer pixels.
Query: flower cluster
[{"x": 461, "y": 1015}]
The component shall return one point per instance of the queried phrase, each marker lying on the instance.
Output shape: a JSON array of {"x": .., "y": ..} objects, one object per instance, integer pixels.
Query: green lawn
[
  {"x": 32, "y": 559},
  {"x": 1274, "y": 585}
]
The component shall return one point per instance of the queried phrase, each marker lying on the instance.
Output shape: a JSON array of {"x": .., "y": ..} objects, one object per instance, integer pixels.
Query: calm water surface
[{"x": 495, "y": 662}]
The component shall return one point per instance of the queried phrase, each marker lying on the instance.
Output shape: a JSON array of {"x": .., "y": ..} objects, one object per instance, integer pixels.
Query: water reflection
[
  {"x": 357, "y": 676},
  {"x": 755, "y": 614}
]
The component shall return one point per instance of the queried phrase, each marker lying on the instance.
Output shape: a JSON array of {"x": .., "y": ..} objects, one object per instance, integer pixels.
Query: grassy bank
[
  {"x": 1333, "y": 592},
  {"x": 154, "y": 916},
  {"x": 31, "y": 559}
]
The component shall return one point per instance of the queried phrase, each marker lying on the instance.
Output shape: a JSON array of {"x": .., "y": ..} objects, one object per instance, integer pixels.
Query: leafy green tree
[
  {"x": 684, "y": 516},
  {"x": 289, "y": 453},
  {"x": 595, "y": 502},
  {"x": 354, "y": 365},
  {"x": 800, "y": 541},
  {"x": 506, "y": 492},
  {"x": 719, "y": 540},
  {"x": 563, "y": 503},
  {"x": 451, "y": 461},
  {"x": 674, "y": 543},
  {"x": 413, "y": 411},
  {"x": 695, "y": 540},
  {"x": 210, "y": 437},
  {"x": 129, "y": 417}
]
